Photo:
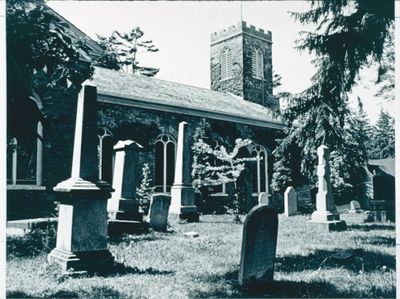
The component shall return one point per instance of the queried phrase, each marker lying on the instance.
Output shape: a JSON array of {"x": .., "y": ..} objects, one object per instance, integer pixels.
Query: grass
[{"x": 170, "y": 265}]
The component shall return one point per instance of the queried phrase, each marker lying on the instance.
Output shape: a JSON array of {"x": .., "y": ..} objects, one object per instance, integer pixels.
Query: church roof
[{"x": 140, "y": 91}]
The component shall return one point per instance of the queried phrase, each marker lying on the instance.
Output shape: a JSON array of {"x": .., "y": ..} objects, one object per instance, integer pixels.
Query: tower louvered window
[
  {"x": 226, "y": 63},
  {"x": 257, "y": 63}
]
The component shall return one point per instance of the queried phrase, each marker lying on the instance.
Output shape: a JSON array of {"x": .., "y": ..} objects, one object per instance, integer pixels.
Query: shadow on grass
[
  {"x": 377, "y": 240},
  {"x": 368, "y": 227},
  {"x": 226, "y": 286},
  {"x": 121, "y": 269},
  {"x": 95, "y": 292},
  {"x": 359, "y": 259}
]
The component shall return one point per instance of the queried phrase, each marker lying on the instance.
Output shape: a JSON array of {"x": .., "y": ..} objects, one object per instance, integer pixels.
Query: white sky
[{"x": 181, "y": 30}]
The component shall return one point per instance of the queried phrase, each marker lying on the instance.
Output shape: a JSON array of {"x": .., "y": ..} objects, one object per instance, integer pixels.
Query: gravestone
[
  {"x": 290, "y": 201},
  {"x": 326, "y": 215},
  {"x": 81, "y": 244},
  {"x": 182, "y": 191},
  {"x": 355, "y": 207},
  {"x": 263, "y": 198},
  {"x": 158, "y": 214},
  {"x": 122, "y": 207},
  {"x": 260, "y": 232}
]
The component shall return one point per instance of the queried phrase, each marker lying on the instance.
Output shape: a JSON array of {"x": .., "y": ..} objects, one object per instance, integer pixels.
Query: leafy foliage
[
  {"x": 144, "y": 191},
  {"x": 42, "y": 56},
  {"x": 213, "y": 166},
  {"x": 121, "y": 50}
]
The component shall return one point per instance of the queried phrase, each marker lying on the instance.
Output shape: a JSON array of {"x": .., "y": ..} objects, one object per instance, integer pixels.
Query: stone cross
[
  {"x": 158, "y": 214},
  {"x": 263, "y": 198},
  {"x": 326, "y": 212},
  {"x": 260, "y": 233},
  {"x": 290, "y": 202},
  {"x": 82, "y": 222},
  {"x": 123, "y": 205},
  {"x": 182, "y": 191}
]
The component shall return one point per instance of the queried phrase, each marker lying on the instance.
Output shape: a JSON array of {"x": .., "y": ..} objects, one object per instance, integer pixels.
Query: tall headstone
[
  {"x": 326, "y": 214},
  {"x": 82, "y": 221},
  {"x": 122, "y": 207},
  {"x": 182, "y": 191},
  {"x": 263, "y": 198},
  {"x": 158, "y": 214},
  {"x": 260, "y": 233},
  {"x": 290, "y": 201}
]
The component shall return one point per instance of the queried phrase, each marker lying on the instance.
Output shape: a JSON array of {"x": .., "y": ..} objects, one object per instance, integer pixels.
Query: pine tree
[
  {"x": 383, "y": 145},
  {"x": 145, "y": 190},
  {"x": 121, "y": 51}
]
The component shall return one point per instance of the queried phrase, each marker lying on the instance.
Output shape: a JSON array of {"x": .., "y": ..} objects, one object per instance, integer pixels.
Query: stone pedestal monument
[
  {"x": 182, "y": 191},
  {"x": 326, "y": 214},
  {"x": 82, "y": 221},
  {"x": 122, "y": 207}
]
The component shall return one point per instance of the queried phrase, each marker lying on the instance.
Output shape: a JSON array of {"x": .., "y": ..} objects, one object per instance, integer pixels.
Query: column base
[
  {"x": 122, "y": 215},
  {"x": 82, "y": 262},
  {"x": 324, "y": 216},
  {"x": 117, "y": 228},
  {"x": 331, "y": 226}
]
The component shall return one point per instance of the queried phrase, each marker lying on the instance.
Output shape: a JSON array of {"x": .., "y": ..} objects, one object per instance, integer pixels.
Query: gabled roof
[
  {"x": 140, "y": 91},
  {"x": 385, "y": 165}
]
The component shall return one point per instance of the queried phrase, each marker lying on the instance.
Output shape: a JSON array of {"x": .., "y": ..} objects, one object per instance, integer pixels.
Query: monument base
[
  {"x": 331, "y": 226},
  {"x": 182, "y": 203},
  {"x": 325, "y": 216},
  {"x": 122, "y": 215},
  {"x": 117, "y": 228},
  {"x": 376, "y": 216},
  {"x": 82, "y": 262}
]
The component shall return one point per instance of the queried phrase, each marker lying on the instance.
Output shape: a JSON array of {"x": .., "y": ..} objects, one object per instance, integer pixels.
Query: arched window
[
  {"x": 105, "y": 154},
  {"x": 226, "y": 63},
  {"x": 165, "y": 151},
  {"x": 259, "y": 169},
  {"x": 257, "y": 64},
  {"x": 25, "y": 160}
]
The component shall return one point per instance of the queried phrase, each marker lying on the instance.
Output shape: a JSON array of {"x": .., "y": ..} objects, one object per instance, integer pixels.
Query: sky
[{"x": 181, "y": 30}]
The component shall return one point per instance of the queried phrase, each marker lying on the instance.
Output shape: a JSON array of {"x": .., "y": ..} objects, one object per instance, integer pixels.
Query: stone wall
[{"x": 125, "y": 123}]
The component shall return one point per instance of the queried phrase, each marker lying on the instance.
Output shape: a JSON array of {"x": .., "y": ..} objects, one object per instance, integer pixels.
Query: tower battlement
[{"x": 240, "y": 28}]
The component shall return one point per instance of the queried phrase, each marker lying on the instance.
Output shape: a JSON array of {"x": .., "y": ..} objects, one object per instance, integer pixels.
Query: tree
[
  {"x": 383, "y": 145},
  {"x": 42, "y": 55},
  {"x": 145, "y": 190},
  {"x": 213, "y": 166},
  {"x": 385, "y": 80},
  {"x": 348, "y": 35},
  {"x": 121, "y": 52}
]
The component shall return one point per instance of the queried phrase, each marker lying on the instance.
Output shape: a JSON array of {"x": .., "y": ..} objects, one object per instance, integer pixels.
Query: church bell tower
[{"x": 241, "y": 63}]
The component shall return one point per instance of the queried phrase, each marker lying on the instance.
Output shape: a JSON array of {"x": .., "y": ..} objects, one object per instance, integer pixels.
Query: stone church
[{"x": 240, "y": 104}]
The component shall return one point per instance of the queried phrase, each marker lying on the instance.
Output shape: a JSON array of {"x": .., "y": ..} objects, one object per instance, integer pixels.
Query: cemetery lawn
[{"x": 170, "y": 265}]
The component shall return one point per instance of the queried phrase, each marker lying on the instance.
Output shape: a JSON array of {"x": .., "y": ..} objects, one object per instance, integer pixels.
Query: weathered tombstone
[
  {"x": 263, "y": 198},
  {"x": 326, "y": 215},
  {"x": 290, "y": 202},
  {"x": 182, "y": 191},
  {"x": 260, "y": 232},
  {"x": 82, "y": 221},
  {"x": 122, "y": 207},
  {"x": 158, "y": 214},
  {"x": 355, "y": 207}
]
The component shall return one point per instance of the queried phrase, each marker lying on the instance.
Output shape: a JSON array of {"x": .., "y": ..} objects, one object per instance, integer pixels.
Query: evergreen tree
[
  {"x": 121, "y": 51},
  {"x": 383, "y": 145},
  {"x": 348, "y": 36},
  {"x": 145, "y": 190}
]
